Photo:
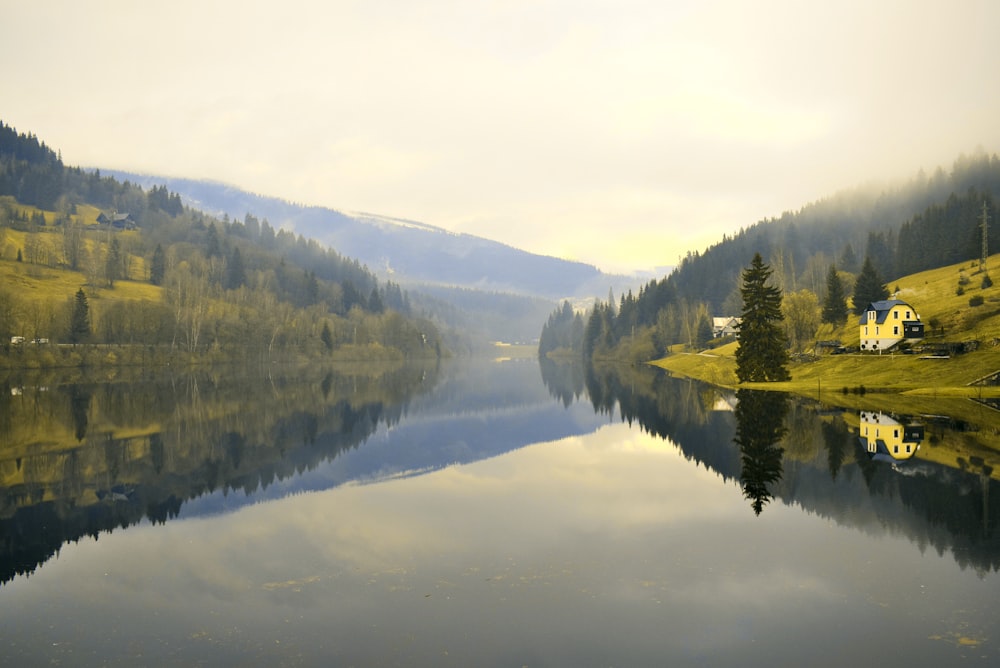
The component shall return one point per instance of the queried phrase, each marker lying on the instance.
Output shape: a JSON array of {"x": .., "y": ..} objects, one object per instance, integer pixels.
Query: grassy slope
[
  {"x": 904, "y": 384},
  {"x": 40, "y": 283},
  {"x": 933, "y": 294}
]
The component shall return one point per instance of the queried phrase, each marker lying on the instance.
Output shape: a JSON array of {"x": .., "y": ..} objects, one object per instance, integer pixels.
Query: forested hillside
[
  {"x": 87, "y": 259},
  {"x": 929, "y": 222}
]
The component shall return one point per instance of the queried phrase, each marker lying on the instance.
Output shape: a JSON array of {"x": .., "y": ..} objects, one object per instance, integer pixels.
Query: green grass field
[
  {"x": 50, "y": 282},
  {"x": 948, "y": 317}
]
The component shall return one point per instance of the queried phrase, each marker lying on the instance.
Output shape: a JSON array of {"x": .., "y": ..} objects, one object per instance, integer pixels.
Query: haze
[{"x": 622, "y": 134}]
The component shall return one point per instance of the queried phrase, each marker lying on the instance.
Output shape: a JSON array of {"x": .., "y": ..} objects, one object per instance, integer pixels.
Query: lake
[{"x": 487, "y": 513}]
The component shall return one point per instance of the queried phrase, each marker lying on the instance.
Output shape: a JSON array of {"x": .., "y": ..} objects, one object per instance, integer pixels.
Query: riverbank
[
  {"x": 854, "y": 380},
  {"x": 930, "y": 388}
]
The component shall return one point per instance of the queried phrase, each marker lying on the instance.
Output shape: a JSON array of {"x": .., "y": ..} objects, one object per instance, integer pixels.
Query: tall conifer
[
  {"x": 79, "y": 322},
  {"x": 869, "y": 287},
  {"x": 835, "y": 304},
  {"x": 762, "y": 354}
]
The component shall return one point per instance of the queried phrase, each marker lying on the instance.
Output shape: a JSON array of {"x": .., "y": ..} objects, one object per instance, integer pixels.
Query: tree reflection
[
  {"x": 564, "y": 378},
  {"x": 836, "y": 440},
  {"x": 79, "y": 402},
  {"x": 760, "y": 424},
  {"x": 112, "y": 453}
]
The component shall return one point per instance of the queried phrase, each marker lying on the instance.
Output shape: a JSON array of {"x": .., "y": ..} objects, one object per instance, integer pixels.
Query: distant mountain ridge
[{"x": 404, "y": 251}]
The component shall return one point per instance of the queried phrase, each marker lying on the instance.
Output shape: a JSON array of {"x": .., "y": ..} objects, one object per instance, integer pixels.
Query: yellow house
[
  {"x": 887, "y": 322},
  {"x": 886, "y": 438}
]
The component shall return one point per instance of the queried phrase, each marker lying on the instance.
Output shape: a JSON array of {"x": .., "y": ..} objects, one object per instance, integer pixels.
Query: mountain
[{"x": 407, "y": 252}]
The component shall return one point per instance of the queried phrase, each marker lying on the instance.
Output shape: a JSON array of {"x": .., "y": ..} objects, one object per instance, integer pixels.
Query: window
[
  {"x": 895, "y": 449},
  {"x": 895, "y": 315},
  {"x": 907, "y": 315},
  {"x": 895, "y": 330},
  {"x": 895, "y": 433}
]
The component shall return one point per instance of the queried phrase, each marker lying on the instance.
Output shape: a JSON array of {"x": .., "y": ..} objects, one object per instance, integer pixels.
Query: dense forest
[
  {"x": 88, "y": 259},
  {"x": 928, "y": 222}
]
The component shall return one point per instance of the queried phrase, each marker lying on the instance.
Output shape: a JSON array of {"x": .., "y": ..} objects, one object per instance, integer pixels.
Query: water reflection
[
  {"x": 760, "y": 425},
  {"x": 87, "y": 458},
  {"x": 483, "y": 522},
  {"x": 802, "y": 452},
  {"x": 889, "y": 438}
]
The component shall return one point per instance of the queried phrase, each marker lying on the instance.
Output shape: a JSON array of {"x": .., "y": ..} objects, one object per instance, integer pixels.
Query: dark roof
[{"x": 881, "y": 308}]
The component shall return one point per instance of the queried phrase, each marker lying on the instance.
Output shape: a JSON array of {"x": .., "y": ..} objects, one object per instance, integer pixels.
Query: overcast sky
[{"x": 619, "y": 133}]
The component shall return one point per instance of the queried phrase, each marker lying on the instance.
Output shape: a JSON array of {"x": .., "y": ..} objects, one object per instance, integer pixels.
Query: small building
[
  {"x": 887, "y": 438},
  {"x": 724, "y": 326},
  {"x": 886, "y": 323},
  {"x": 119, "y": 221}
]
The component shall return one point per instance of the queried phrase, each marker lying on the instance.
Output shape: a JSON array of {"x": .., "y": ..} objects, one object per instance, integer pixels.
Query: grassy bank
[
  {"x": 900, "y": 384},
  {"x": 942, "y": 299},
  {"x": 883, "y": 374}
]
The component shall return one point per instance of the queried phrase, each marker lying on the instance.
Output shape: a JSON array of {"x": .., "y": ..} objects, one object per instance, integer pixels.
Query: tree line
[
  {"x": 828, "y": 259},
  {"x": 215, "y": 284}
]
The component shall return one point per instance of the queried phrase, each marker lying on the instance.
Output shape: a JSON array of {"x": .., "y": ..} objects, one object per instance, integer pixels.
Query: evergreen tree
[
  {"x": 869, "y": 287},
  {"x": 835, "y": 304},
  {"x": 848, "y": 260},
  {"x": 79, "y": 323},
  {"x": 326, "y": 336},
  {"x": 703, "y": 334},
  {"x": 375, "y": 304},
  {"x": 113, "y": 263},
  {"x": 236, "y": 275},
  {"x": 212, "y": 246},
  {"x": 158, "y": 266},
  {"x": 762, "y": 354}
]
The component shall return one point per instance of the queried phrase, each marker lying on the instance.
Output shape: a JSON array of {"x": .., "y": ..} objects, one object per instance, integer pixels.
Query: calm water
[{"x": 486, "y": 513}]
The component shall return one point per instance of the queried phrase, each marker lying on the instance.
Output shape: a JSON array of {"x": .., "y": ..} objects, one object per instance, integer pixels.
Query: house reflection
[{"x": 889, "y": 438}]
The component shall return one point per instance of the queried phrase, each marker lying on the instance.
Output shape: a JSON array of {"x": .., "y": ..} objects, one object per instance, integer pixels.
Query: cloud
[{"x": 558, "y": 127}]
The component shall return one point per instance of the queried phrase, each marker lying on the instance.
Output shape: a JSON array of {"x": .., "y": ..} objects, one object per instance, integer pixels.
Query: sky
[{"x": 623, "y": 134}]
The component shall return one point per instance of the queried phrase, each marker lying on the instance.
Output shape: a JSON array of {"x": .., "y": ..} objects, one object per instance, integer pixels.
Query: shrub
[{"x": 976, "y": 300}]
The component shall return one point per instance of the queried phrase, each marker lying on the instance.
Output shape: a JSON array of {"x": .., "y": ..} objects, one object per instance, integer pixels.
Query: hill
[
  {"x": 943, "y": 298},
  {"x": 85, "y": 258},
  {"x": 926, "y": 223},
  {"x": 405, "y": 251},
  {"x": 488, "y": 289}
]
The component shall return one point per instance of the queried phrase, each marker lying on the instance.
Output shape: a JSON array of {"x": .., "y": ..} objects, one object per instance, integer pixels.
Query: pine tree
[
  {"x": 79, "y": 323},
  {"x": 158, "y": 266},
  {"x": 326, "y": 336},
  {"x": 835, "y": 304},
  {"x": 703, "y": 334},
  {"x": 236, "y": 275},
  {"x": 869, "y": 287},
  {"x": 762, "y": 354},
  {"x": 212, "y": 246},
  {"x": 113, "y": 263}
]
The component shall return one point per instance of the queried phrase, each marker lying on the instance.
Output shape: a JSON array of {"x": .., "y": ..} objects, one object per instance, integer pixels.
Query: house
[
  {"x": 119, "y": 221},
  {"x": 886, "y": 438},
  {"x": 887, "y": 322},
  {"x": 725, "y": 326}
]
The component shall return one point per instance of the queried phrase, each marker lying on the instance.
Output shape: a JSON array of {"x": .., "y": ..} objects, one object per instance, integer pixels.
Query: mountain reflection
[
  {"x": 85, "y": 458},
  {"x": 941, "y": 493}
]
